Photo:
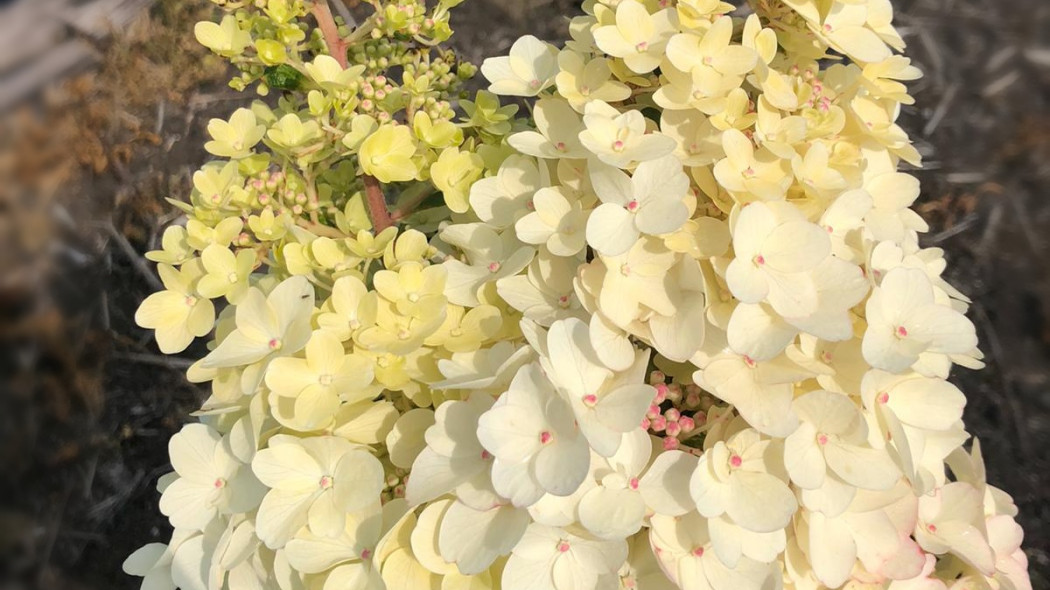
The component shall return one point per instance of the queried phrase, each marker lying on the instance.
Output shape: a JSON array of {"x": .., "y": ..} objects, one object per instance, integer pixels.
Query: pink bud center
[
  {"x": 190, "y": 301},
  {"x": 932, "y": 528},
  {"x": 632, "y": 206},
  {"x": 902, "y": 332},
  {"x": 750, "y": 362},
  {"x": 485, "y": 455},
  {"x": 274, "y": 344},
  {"x": 494, "y": 267},
  {"x": 822, "y": 439},
  {"x": 633, "y": 484},
  {"x": 563, "y": 301},
  {"x": 561, "y": 147},
  {"x": 759, "y": 260},
  {"x": 366, "y": 554},
  {"x": 883, "y": 397},
  {"x": 670, "y": 443},
  {"x": 749, "y": 171},
  {"x": 590, "y": 400},
  {"x": 698, "y": 552},
  {"x": 735, "y": 461},
  {"x": 546, "y": 437},
  {"x": 618, "y": 146},
  {"x": 642, "y": 47},
  {"x": 219, "y": 483},
  {"x": 563, "y": 546},
  {"x": 326, "y": 482},
  {"x": 534, "y": 84}
]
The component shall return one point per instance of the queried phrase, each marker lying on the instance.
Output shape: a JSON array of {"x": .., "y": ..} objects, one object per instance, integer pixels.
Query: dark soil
[{"x": 87, "y": 404}]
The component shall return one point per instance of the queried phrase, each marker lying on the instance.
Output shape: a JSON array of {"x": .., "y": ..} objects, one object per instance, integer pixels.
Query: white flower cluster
[{"x": 698, "y": 195}]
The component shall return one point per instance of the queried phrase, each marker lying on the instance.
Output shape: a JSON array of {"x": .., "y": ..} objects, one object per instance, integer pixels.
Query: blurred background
[{"x": 103, "y": 105}]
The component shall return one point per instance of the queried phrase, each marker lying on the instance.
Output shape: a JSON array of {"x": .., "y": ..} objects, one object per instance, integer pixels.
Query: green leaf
[{"x": 283, "y": 77}]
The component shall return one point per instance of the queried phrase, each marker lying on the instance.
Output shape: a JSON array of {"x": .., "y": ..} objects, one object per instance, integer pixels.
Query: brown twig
[
  {"x": 377, "y": 208},
  {"x": 336, "y": 44}
]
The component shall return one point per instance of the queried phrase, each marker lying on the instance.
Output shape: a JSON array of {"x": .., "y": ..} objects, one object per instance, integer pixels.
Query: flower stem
[
  {"x": 336, "y": 45},
  {"x": 377, "y": 208}
]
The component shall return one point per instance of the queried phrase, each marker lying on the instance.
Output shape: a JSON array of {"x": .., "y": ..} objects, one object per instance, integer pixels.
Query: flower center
[
  {"x": 219, "y": 483},
  {"x": 618, "y": 146},
  {"x": 232, "y": 277},
  {"x": 325, "y": 380},
  {"x": 366, "y": 554},
  {"x": 633, "y": 484},
  {"x": 563, "y": 546},
  {"x": 759, "y": 260},
  {"x": 902, "y": 332},
  {"x": 633, "y": 205},
  {"x": 883, "y": 397},
  {"x": 494, "y": 267},
  {"x": 190, "y": 301},
  {"x": 642, "y": 47},
  {"x": 546, "y": 437},
  {"x": 275, "y": 344},
  {"x": 590, "y": 400},
  {"x": 326, "y": 482},
  {"x": 698, "y": 552},
  {"x": 736, "y": 461},
  {"x": 822, "y": 439}
]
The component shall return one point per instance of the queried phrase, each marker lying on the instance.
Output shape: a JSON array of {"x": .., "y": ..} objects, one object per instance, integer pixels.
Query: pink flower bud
[{"x": 686, "y": 423}]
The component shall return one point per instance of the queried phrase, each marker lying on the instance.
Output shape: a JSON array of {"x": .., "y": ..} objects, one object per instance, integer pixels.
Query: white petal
[
  {"x": 760, "y": 502},
  {"x": 473, "y": 540},
  {"x": 611, "y": 230},
  {"x": 665, "y": 486}
]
